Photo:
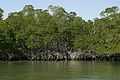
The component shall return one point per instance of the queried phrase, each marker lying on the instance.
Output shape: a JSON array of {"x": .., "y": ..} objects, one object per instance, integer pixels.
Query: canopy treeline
[{"x": 31, "y": 31}]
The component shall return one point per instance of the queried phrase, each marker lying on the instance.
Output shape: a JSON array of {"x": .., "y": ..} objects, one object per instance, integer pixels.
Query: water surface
[{"x": 72, "y": 70}]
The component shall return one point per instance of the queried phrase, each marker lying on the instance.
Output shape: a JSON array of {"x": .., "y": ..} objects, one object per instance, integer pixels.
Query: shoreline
[{"x": 74, "y": 56}]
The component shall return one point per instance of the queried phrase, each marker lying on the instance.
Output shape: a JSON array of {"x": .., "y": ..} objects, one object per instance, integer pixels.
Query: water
[{"x": 72, "y": 70}]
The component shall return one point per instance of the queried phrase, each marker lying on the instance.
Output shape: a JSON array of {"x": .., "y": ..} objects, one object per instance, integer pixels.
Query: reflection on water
[{"x": 72, "y": 70}]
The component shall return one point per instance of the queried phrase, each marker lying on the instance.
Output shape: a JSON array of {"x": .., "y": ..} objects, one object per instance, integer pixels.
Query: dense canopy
[{"x": 36, "y": 31}]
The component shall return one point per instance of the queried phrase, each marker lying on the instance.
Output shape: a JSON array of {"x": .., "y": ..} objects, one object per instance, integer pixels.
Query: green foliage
[
  {"x": 110, "y": 11},
  {"x": 1, "y": 13},
  {"x": 57, "y": 30}
]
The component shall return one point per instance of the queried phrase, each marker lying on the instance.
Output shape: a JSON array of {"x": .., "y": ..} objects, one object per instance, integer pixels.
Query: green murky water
[{"x": 72, "y": 70}]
